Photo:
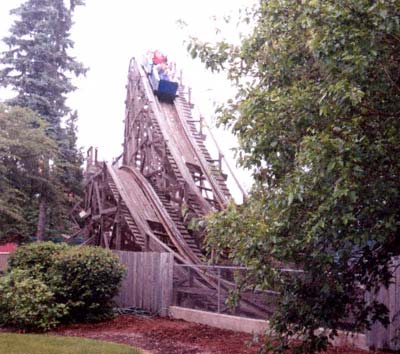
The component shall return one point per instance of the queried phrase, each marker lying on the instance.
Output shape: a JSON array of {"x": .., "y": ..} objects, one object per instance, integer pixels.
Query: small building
[
  {"x": 5, "y": 251},
  {"x": 8, "y": 247}
]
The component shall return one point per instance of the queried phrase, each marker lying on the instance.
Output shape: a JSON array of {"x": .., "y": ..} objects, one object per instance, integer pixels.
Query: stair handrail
[
  {"x": 222, "y": 200},
  {"x": 202, "y": 120}
]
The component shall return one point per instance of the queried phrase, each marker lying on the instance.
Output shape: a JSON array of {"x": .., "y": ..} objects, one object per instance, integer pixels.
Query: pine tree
[
  {"x": 36, "y": 66},
  {"x": 71, "y": 157},
  {"x": 69, "y": 174}
]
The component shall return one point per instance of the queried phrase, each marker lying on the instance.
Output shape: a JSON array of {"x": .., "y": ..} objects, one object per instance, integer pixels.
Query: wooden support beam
[
  {"x": 106, "y": 243},
  {"x": 99, "y": 204},
  {"x": 117, "y": 225},
  {"x": 196, "y": 291},
  {"x": 108, "y": 211}
]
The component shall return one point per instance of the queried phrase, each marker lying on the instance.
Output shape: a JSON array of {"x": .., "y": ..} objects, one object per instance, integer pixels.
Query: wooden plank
[
  {"x": 166, "y": 276},
  {"x": 125, "y": 297},
  {"x": 140, "y": 281},
  {"x": 119, "y": 298},
  {"x": 396, "y": 312},
  {"x": 3, "y": 261},
  {"x": 105, "y": 238},
  {"x": 134, "y": 282},
  {"x": 147, "y": 288},
  {"x": 149, "y": 285},
  {"x": 99, "y": 204},
  {"x": 156, "y": 280},
  {"x": 394, "y": 307},
  {"x": 144, "y": 280},
  {"x": 391, "y": 307},
  {"x": 134, "y": 269},
  {"x": 109, "y": 211},
  {"x": 118, "y": 221},
  {"x": 127, "y": 289}
]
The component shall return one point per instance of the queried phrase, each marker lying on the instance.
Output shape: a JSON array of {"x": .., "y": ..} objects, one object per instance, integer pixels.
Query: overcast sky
[{"x": 107, "y": 34}]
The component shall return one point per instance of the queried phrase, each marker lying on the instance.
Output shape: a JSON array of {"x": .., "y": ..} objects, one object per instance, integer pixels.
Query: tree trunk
[{"x": 41, "y": 225}]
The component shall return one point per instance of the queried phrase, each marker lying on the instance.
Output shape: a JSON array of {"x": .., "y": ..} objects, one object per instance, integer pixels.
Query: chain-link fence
[{"x": 217, "y": 288}]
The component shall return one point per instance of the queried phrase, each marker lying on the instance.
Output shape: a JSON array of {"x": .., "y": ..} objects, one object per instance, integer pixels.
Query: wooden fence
[
  {"x": 148, "y": 281},
  {"x": 380, "y": 337},
  {"x": 3, "y": 260}
]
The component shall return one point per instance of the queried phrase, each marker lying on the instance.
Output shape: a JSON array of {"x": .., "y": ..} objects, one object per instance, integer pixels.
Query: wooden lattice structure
[
  {"x": 164, "y": 178},
  {"x": 145, "y": 200}
]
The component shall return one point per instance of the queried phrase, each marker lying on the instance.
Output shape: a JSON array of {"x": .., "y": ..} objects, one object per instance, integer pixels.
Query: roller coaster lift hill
[{"x": 165, "y": 177}]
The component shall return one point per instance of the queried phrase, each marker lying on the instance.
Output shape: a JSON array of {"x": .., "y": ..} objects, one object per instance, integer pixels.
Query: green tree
[
  {"x": 317, "y": 115},
  {"x": 71, "y": 157},
  {"x": 38, "y": 67},
  {"x": 23, "y": 146},
  {"x": 68, "y": 172}
]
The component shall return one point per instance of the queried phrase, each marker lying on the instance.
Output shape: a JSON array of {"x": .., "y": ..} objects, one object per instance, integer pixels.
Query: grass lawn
[{"x": 44, "y": 344}]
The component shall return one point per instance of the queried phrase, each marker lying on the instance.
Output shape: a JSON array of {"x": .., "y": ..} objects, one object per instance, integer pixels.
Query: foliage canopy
[
  {"x": 23, "y": 144},
  {"x": 317, "y": 116},
  {"x": 39, "y": 69}
]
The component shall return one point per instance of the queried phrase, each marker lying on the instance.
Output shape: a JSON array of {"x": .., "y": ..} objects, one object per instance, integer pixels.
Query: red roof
[{"x": 8, "y": 247}]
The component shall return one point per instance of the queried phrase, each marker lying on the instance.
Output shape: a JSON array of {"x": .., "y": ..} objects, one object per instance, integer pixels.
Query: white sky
[{"x": 107, "y": 34}]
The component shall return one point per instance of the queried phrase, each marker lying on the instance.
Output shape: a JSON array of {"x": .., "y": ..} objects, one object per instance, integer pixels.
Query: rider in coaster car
[
  {"x": 159, "y": 57},
  {"x": 163, "y": 71}
]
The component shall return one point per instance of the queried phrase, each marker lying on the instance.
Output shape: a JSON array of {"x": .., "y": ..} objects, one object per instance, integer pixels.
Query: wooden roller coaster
[{"x": 164, "y": 179}]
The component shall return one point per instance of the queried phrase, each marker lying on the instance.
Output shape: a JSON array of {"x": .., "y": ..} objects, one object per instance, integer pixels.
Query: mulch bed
[{"x": 164, "y": 336}]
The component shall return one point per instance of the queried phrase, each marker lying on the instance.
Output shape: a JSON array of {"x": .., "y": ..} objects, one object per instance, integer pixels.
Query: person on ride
[
  {"x": 163, "y": 71},
  {"x": 159, "y": 57}
]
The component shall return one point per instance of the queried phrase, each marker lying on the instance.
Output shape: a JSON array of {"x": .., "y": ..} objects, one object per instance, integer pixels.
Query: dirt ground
[{"x": 163, "y": 336}]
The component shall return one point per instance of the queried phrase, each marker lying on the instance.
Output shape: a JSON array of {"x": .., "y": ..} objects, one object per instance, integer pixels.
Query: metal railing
[
  {"x": 220, "y": 297},
  {"x": 202, "y": 124}
]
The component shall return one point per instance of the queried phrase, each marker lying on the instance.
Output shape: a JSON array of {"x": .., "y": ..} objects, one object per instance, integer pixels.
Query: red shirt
[{"x": 158, "y": 57}]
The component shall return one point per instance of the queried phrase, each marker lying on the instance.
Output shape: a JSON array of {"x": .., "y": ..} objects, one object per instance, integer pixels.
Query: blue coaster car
[
  {"x": 166, "y": 90},
  {"x": 163, "y": 87}
]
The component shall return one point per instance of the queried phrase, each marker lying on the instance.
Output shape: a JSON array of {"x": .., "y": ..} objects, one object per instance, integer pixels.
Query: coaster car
[{"x": 161, "y": 79}]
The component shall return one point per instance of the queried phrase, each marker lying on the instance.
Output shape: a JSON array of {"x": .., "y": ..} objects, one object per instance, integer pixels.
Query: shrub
[
  {"x": 86, "y": 279},
  {"x": 27, "y": 302},
  {"x": 36, "y": 257},
  {"x": 67, "y": 283}
]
